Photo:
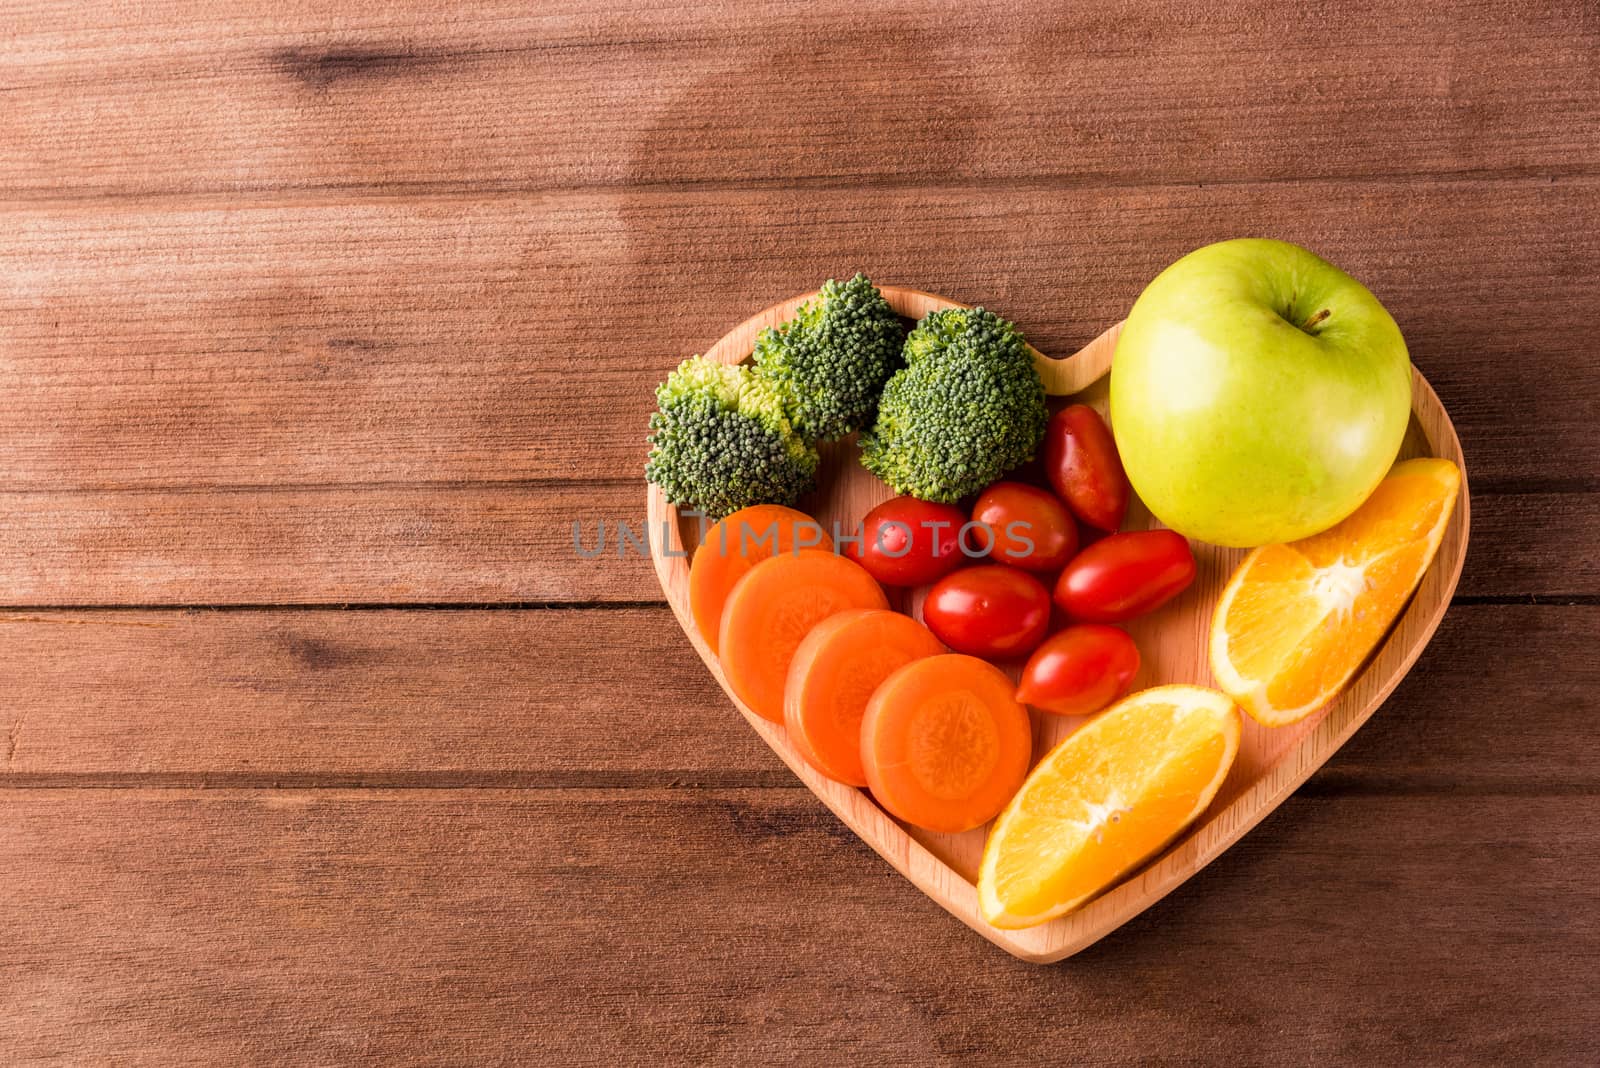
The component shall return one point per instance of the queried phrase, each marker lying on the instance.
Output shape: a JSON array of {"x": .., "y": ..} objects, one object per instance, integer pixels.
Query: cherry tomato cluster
[{"x": 989, "y": 569}]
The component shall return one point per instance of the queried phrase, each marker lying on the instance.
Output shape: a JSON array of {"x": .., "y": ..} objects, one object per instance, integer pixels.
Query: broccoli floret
[
  {"x": 831, "y": 360},
  {"x": 967, "y": 408},
  {"x": 972, "y": 327},
  {"x": 721, "y": 441}
]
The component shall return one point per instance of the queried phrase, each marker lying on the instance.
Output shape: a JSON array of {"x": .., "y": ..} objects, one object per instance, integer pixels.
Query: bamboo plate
[{"x": 1271, "y": 763}]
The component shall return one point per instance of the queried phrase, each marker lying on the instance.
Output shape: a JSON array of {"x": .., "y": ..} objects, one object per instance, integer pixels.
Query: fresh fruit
[
  {"x": 1258, "y": 393},
  {"x": 1125, "y": 575},
  {"x": 992, "y": 611},
  {"x": 834, "y": 672},
  {"x": 732, "y": 547},
  {"x": 1031, "y": 528},
  {"x": 1080, "y": 670},
  {"x": 944, "y": 743},
  {"x": 907, "y": 542},
  {"x": 1296, "y": 621},
  {"x": 1081, "y": 461},
  {"x": 1106, "y": 799},
  {"x": 773, "y": 608}
]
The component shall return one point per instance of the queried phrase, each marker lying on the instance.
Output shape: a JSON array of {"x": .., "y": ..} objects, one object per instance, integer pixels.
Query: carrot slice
[
  {"x": 773, "y": 607},
  {"x": 945, "y": 743},
  {"x": 732, "y": 547},
  {"x": 833, "y": 674}
]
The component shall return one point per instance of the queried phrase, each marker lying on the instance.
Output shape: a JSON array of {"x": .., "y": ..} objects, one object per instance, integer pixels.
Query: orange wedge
[
  {"x": 1105, "y": 800},
  {"x": 1296, "y": 621}
]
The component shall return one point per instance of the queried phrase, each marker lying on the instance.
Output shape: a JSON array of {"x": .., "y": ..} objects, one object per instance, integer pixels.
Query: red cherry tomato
[
  {"x": 992, "y": 611},
  {"x": 1080, "y": 670},
  {"x": 1031, "y": 528},
  {"x": 907, "y": 542},
  {"x": 1080, "y": 456},
  {"x": 1125, "y": 575}
]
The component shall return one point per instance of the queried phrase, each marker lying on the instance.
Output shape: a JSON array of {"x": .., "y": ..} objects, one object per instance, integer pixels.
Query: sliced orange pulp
[
  {"x": 1296, "y": 621},
  {"x": 1105, "y": 800}
]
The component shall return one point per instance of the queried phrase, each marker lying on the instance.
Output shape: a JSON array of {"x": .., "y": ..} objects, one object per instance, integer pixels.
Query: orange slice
[
  {"x": 1105, "y": 800},
  {"x": 1296, "y": 621}
]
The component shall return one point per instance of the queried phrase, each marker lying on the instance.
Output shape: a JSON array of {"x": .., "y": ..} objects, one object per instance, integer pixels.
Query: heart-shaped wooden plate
[{"x": 1271, "y": 763}]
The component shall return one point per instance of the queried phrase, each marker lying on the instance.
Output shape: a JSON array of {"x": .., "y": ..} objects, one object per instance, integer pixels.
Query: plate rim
[{"x": 1200, "y": 844}]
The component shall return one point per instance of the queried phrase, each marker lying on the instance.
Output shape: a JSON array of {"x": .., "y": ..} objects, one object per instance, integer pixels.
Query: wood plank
[
  {"x": 592, "y": 927},
  {"x": 515, "y": 338},
  {"x": 1536, "y": 544},
  {"x": 557, "y": 697},
  {"x": 310, "y": 393},
  {"x": 509, "y": 544},
  {"x": 582, "y": 93},
  {"x": 388, "y": 695},
  {"x": 493, "y": 543}
]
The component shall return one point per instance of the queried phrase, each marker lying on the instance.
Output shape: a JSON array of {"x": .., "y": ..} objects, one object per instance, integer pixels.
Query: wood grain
[
  {"x": 396, "y": 697},
  {"x": 414, "y": 96},
  {"x": 238, "y": 342},
  {"x": 307, "y": 303},
  {"x": 486, "y": 543},
  {"x": 1270, "y": 763},
  {"x": 717, "y": 926},
  {"x": 505, "y": 544}
]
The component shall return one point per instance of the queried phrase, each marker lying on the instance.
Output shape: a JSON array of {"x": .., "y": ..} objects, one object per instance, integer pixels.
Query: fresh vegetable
[
  {"x": 1030, "y": 527},
  {"x": 1125, "y": 575},
  {"x": 772, "y": 609},
  {"x": 968, "y": 407},
  {"x": 832, "y": 359},
  {"x": 732, "y": 547},
  {"x": 721, "y": 441},
  {"x": 907, "y": 542},
  {"x": 1080, "y": 670},
  {"x": 992, "y": 611},
  {"x": 1081, "y": 461},
  {"x": 1258, "y": 394},
  {"x": 944, "y": 742},
  {"x": 1106, "y": 799},
  {"x": 834, "y": 672},
  {"x": 1296, "y": 621}
]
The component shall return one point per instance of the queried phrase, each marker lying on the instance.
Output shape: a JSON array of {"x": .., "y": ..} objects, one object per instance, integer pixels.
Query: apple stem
[{"x": 1315, "y": 319}]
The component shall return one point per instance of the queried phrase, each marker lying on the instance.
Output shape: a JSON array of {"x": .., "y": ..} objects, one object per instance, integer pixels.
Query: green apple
[{"x": 1258, "y": 393}]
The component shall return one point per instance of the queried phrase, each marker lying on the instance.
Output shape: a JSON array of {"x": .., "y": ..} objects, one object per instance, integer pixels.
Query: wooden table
[{"x": 319, "y": 744}]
